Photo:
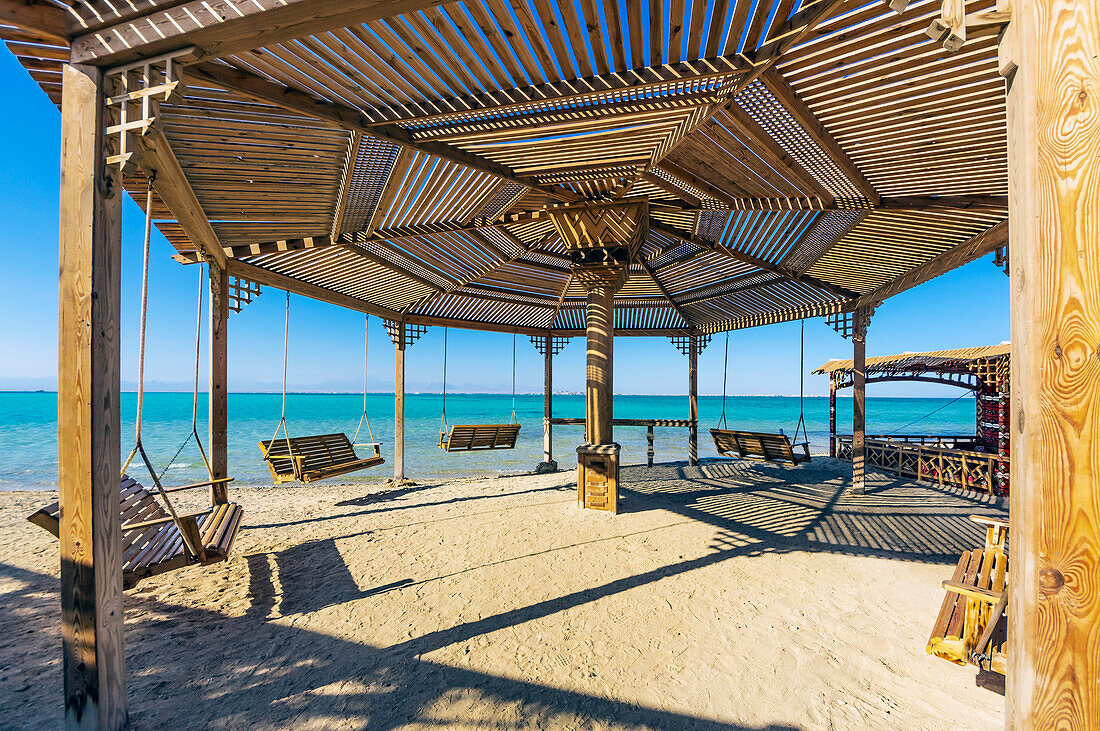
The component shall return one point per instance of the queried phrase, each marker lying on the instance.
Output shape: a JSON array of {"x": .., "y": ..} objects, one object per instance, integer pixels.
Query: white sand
[{"x": 728, "y": 596}]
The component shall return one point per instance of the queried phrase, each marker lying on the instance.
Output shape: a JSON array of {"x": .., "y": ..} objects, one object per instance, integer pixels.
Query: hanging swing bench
[
  {"x": 315, "y": 457},
  {"x": 766, "y": 446},
  {"x": 155, "y": 537},
  {"x": 477, "y": 437}
]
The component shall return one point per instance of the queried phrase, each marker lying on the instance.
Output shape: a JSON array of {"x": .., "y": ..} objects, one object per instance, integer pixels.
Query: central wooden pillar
[
  {"x": 1050, "y": 54},
  {"x": 602, "y": 240},
  {"x": 598, "y": 458},
  {"x": 399, "y": 407},
  {"x": 218, "y": 397},
  {"x": 693, "y": 400},
  {"x": 93, "y": 661},
  {"x": 859, "y": 392}
]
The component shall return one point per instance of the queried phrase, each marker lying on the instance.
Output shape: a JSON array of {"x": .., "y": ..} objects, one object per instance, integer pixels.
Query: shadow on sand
[{"x": 288, "y": 676}]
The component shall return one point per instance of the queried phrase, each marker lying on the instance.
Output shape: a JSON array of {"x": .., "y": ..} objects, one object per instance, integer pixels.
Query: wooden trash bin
[{"x": 598, "y": 476}]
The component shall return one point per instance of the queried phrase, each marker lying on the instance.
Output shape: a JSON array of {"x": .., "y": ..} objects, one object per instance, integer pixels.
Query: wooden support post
[
  {"x": 93, "y": 660},
  {"x": 219, "y": 392},
  {"x": 859, "y": 393},
  {"x": 399, "y": 407},
  {"x": 1050, "y": 53},
  {"x": 832, "y": 415},
  {"x": 693, "y": 400},
  {"x": 649, "y": 444},
  {"x": 598, "y": 458},
  {"x": 548, "y": 406},
  {"x": 598, "y": 382}
]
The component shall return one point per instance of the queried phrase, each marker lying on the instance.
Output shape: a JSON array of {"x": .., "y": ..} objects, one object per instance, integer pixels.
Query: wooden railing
[
  {"x": 928, "y": 462},
  {"x": 649, "y": 424},
  {"x": 945, "y": 441}
]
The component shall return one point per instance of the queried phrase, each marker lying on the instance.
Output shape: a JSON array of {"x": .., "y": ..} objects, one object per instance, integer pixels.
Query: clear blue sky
[{"x": 962, "y": 308}]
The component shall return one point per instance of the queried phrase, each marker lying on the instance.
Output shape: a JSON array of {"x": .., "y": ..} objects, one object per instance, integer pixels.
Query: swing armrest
[
  {"x": 165, "y": 520},
  {"x": 207, "y": 483}
]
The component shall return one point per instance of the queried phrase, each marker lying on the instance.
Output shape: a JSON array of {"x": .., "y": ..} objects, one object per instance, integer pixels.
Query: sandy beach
[{"x": 728, "y": 595}]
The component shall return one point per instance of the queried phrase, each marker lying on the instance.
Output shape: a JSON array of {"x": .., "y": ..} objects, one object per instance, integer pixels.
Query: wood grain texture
[
  {"x": 859, "y": 409},
  {"x": 1053, "y": 46},
  {"x": 399, "y": 411},
  {"x": 219, "y": 376},
  {"x": 693, "y": 400},
  {"x": 88, "y": 412}
]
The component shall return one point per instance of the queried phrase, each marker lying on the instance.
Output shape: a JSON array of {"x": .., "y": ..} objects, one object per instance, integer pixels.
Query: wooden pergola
[{"x": 559, "y": 169}]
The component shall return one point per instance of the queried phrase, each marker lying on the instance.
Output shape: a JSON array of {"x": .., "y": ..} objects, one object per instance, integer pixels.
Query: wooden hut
[
  {"x": 567, "y": 169},
  {"x": 978, "y": 461}
]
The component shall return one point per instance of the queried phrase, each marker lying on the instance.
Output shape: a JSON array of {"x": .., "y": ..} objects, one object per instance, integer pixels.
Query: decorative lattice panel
[
  {"x": 768, "y": 112},
  {"x": 557, "y": 344},
  {"x": 241, "y": 292},
  {"x": 830, "y": 227},
  {"x": 412, "y": 332},
  {"x": 683, "y": 343},
  {"x": 365, "y": 180}
]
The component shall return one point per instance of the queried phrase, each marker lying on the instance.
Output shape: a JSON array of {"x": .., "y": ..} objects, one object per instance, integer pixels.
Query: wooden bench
[
  {"x": 759, "y": 445},
  {"x": 474, "y": 437},
  {"x": 151, "y": 541},
  {"x": 970, "y": 628},
  {"x": 310, "y": 458}
]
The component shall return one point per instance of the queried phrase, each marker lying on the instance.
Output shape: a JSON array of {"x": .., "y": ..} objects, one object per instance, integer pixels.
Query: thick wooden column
[
  {"x": 693, "y": 400},
  {"x": 598, "y": 383},
  {"x": 399, "y": 409},
  {"x": 859, "y": 412},
  {"x": 1051, "y": 55},
  {"x": 832, "y": 415},
  {"x": 93, "y": 660},
  {"x": 219, "y": 372},
  {"x": 548, "y": 404}
]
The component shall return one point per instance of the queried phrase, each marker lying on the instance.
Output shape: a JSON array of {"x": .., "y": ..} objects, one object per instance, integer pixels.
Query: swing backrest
[
  {"x": 472, "y": 437},
  {"x": 313, "y": 457}
]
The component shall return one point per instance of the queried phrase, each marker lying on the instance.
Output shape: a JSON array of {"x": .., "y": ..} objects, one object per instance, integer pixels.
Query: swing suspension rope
[
  {"x": 513, "y": 421},
  {"x": 195, "y": 395},
  {"x": 801, "y": 387},
  {"x": 364, "y": 419},
  {"x": 282, "y": 415},
  {"x": 725, "y": 370},
  {"x": 443, "y": 419},
  {"x": 139, "y": 448}
]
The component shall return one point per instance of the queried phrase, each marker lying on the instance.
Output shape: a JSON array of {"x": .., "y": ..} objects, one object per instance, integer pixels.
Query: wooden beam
[
  {"x": 806, "y": 119},
  {"x": 663, "y": 290},
  {"x": 49, "y": 21},
  {"x": 833, "y": 289},
  {"x": 227, "y": 27},
  {"x": 1051, "y": 54},
  {"x": 974, "y": 248},
  {"x": 218, "y": 396},
  {"x": 289, "y": 284},
  {"x": 260, "y": 89},
  {"x": 173, "y": 188},
  {"x": 88, "y": 389}
]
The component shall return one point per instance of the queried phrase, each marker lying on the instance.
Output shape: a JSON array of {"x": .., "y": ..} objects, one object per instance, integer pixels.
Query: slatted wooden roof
[
  {"x": 928, "y": 360},
  {"x": 799, "y": 156}
]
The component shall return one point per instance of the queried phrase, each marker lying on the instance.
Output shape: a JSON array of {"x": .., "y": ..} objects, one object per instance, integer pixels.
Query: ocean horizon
[{"x": 28, "y": 428}]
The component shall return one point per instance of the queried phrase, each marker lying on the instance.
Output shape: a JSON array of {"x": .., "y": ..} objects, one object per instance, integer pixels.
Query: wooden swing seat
[
  {"x": 476, "y": 437},
  {"x": 970, "y": 628},
  {"x": 759, "y": 445},
  {"x": 310, "y": 458},
  {"x": 151, "y": 540}
]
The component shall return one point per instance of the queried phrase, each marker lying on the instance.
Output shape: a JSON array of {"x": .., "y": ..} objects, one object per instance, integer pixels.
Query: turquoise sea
[{"x": 28, "y": 429}]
